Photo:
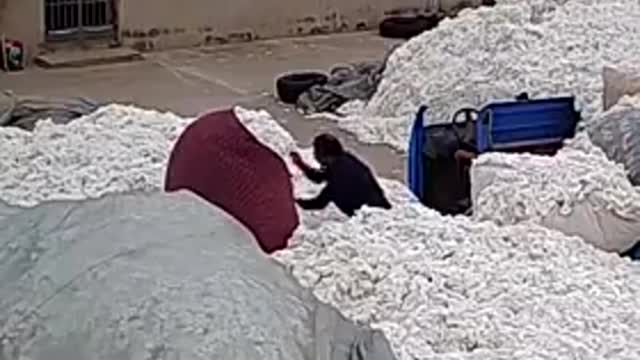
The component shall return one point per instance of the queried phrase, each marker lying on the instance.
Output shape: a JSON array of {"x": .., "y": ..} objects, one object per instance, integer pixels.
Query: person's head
[{"x": 326, "y": 148}]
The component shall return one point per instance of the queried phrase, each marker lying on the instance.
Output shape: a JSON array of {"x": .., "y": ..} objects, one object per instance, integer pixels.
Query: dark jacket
[{"x": 350, "y": 185}]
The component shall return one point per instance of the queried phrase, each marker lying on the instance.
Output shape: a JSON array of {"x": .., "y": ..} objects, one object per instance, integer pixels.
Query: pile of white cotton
[
  {"x": 579, "y": 191},
  {"x": 441, "y": 288},
  {"x": 546, "y": 48},
  {"x": 448, "y": 288},
  {"x": 115, "y": 149},
  {"x": 511, "y": 188}
]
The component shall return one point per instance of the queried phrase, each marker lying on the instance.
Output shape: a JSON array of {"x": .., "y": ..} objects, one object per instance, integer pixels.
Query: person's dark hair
[{"x": 327, "y": 145}]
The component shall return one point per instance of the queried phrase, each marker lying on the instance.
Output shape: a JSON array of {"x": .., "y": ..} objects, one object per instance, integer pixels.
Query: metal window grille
[
  {"x": 432, "y": 6},
  {"x": 75, "y": 19}
]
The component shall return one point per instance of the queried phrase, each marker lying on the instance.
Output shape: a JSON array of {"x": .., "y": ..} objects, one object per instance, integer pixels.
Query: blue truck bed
[{"x": 508, "y": 126}]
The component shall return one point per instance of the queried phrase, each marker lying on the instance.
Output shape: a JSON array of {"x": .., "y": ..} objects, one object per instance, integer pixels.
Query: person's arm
[
  {"x": 317, "y": 203},
  {"x": 315, "y": 175}
]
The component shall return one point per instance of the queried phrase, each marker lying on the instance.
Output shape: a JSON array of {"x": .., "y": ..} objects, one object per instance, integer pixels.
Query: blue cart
[{"x": 440, "y": 154}]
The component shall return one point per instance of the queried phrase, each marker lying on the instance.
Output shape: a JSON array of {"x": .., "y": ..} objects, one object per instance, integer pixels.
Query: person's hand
[{"x": 296, "y": 158}]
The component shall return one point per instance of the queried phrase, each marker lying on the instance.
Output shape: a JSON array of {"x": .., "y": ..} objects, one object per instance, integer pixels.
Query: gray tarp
[
  {"x": 7, "y": 210},
  {"x": 357, "y": 81},
  {"x": 25, "y": 111},
  {"x": 617, "y": 132},
  {"x": 157, "y": 276}
]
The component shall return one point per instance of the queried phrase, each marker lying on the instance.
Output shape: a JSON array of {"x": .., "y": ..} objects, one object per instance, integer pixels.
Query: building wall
[
  {"x": 161, "y": 24},
  {"x": 21, "y": 20},
  {"x": 157, "y": 24}
]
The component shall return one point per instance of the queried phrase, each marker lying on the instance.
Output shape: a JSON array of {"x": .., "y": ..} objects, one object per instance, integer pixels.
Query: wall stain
[
  {"x": 326, "y": 22},
  {"x": 400, "y": 11},
  {"x": 141, "y": 45},
  {"x": 243, "y": 36},
  {"x": 306, "y": 20},
  {"x": 320, "y": 30},
  {"x": 138, "y": 34}
]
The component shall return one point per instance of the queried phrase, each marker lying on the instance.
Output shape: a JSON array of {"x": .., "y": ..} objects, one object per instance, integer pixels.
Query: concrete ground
[{"x": 190, "y": 81}]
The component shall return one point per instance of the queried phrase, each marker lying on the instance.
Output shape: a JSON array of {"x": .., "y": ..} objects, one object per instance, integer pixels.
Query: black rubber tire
[
  {"x": 407, "y": 27},
  {"x": 290, "y": 86}
]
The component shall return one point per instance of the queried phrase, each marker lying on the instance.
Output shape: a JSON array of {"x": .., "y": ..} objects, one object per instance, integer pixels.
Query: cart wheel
[{"x": 290, "y": 86}]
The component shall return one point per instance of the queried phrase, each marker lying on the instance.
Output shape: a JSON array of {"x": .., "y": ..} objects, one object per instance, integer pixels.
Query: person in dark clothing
[{"x": 350, "y": 183}]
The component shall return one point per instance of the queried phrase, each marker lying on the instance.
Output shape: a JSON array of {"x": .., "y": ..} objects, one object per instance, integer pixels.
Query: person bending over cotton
[{"x": 350, "y": 183}]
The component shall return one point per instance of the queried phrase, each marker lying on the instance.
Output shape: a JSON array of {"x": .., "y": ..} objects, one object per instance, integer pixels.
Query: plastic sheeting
[
  {"x": 617, "y": 132},
  {"x": 7, "y": 210},
  {"x": 24, "y": 111},
  {"x": 157, "y": 276},
  {"x": 618, "y": 82},
  {"x": 218, "y": 158},
  {"x": 356, "y": 81}
]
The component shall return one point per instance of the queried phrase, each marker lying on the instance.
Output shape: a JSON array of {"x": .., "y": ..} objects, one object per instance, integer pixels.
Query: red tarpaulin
[{"x": 217, "y": 158}]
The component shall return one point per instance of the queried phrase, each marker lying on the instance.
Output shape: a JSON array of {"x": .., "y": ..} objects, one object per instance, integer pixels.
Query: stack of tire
[
  {"x": 406, "y": 27},
  {"x": 290, "y": 86}
]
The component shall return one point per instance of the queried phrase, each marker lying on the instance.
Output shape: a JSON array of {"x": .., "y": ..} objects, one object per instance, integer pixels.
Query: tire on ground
[
  {"x": 407, "y": 27},
  {"x": 290, "y": 86}
]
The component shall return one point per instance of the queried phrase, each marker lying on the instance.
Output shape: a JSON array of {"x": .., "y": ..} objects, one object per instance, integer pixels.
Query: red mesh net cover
[{"x": 217, "y": 158}]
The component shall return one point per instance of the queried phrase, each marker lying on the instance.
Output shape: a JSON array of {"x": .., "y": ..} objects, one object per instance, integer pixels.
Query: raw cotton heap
[
  {"x": 579, "y": 182},
  {"x": 115, "y": 149},
  {"x": 448, "y": 288},
  {"x": 441, "y": 288},
  {"x": 547, "y": 48},
  {"x": 532, "y": 186}
]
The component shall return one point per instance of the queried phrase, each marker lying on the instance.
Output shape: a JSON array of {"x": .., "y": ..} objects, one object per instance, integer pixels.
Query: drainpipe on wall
[
  {"x": 115, "y": 13},
  {"x": 3, "y": 5},
  {"x": 81, "y": 39},
  {"x": 432, "y": 6}
]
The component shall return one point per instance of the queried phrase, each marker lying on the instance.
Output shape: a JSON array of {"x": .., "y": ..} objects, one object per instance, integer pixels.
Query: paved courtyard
[{"x": 190, "y": 81}]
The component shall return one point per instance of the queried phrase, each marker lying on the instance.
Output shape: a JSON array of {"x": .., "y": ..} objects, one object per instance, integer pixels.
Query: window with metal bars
[{"x": 73, "y": 18}]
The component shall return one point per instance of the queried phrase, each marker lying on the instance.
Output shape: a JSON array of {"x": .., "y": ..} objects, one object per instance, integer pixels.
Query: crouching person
[{"x": 350, "y": 183}]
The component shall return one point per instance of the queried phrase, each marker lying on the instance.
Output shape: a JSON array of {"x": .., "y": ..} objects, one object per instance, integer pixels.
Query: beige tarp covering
[{"x": 619, "y": 81}]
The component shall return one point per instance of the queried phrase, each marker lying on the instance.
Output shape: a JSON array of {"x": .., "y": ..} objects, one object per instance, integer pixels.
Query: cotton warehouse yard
[{"x": 501, "y": 284}]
